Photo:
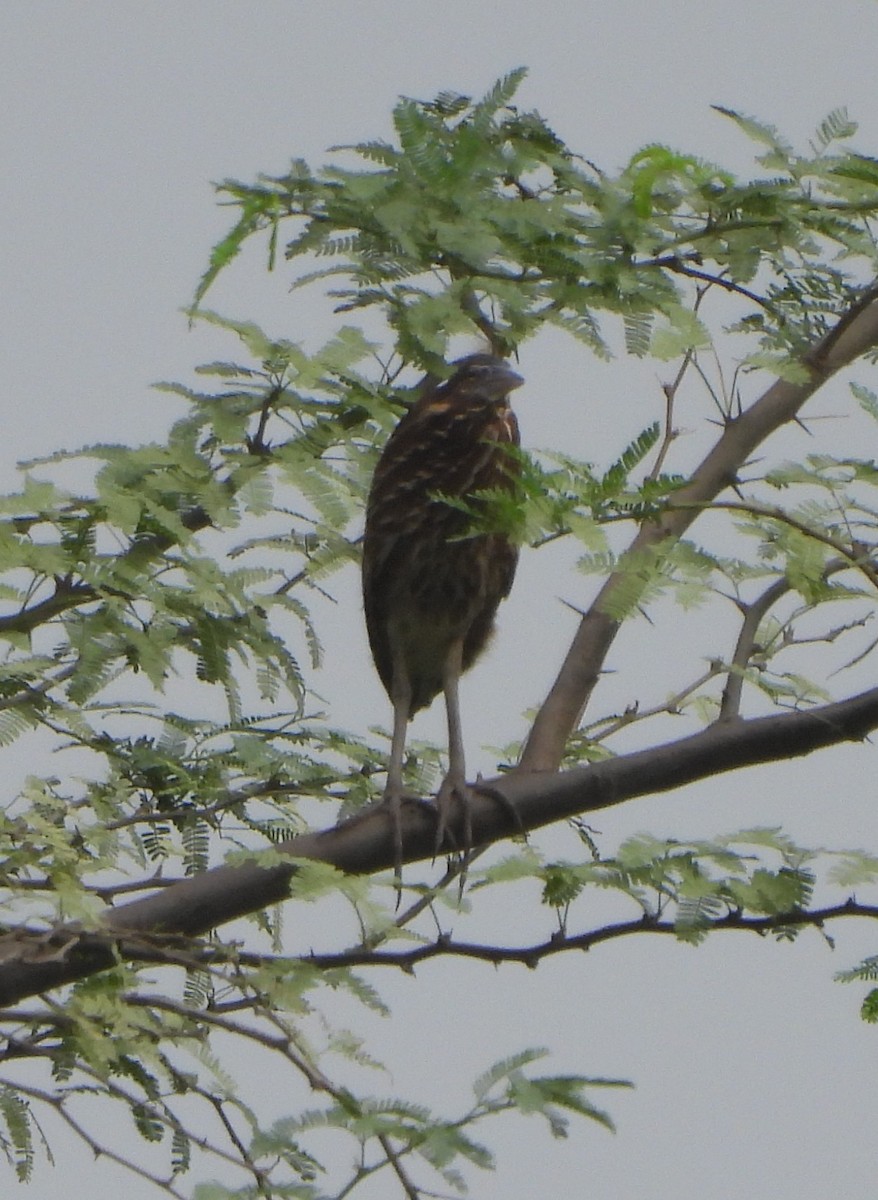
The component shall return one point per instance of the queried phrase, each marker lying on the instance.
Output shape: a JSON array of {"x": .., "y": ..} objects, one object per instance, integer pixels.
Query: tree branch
[
  {"x": 532, "y": 955},
  {"x": 855, "y": 333},
  {"x": 32, "y": 962},
  {"x": 70, "y": 593},
  {"x": 754, "y": 614}
]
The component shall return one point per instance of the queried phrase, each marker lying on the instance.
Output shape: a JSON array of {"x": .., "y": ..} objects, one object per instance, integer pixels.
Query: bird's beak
[{"x": 508, "y": 380}]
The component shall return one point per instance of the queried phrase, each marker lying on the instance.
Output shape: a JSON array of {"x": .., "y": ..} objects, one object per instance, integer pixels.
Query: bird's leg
[
  {"x": 393, "y": 790},
  {"x": 397, "y": 748},
  {"x": 454, "y": 786}
]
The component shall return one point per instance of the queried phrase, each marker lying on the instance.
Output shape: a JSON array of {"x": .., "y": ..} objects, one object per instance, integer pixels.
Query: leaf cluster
[
  {"x": 478, "y": 218},
  {"x": 694, "y": 884}
]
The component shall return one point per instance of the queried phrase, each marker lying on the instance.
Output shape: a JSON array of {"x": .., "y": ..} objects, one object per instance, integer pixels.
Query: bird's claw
[
  {"x": 454, "y": 792},
  {"x": 453, "y": 808},
  {"x": 393, "y": 801}
]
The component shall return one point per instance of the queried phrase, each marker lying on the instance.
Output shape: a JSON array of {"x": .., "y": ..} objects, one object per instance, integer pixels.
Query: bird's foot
[
  {"x": 455, "y": 797},
  {"x": 393, "y": 801}
]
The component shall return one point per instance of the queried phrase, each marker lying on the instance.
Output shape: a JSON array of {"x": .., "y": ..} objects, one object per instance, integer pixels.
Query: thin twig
[{"x": 532, "y": 955}]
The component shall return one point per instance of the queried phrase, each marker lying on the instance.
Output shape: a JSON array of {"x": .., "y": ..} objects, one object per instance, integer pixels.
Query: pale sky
[{"x": 754, "y": 1075}]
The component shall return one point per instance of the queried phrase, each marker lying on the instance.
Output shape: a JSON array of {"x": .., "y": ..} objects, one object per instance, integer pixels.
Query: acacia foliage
[{"x": 198, "y": 560}]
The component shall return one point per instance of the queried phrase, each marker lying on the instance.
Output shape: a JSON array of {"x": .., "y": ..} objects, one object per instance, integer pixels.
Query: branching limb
[
  {"x": 856, "y": 557},
  {"x": 855, "y": 334},
  {"x": 60, "y": 1103},
  {"x": 69, "y": 593},
  {"x": 605, "y": 727},
  {"x": 754, "y": 614},
  {"x": 528, "y": 956},
  {"x": 670, "y": 433},
  {"x": 66, "y": 595},
  {"x": 678, "y": 266}
]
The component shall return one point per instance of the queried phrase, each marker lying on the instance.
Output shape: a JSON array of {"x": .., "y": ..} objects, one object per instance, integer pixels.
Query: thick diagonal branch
[
  {"x": 854, "y": 335},
  {"x": 143, "y": 930}
]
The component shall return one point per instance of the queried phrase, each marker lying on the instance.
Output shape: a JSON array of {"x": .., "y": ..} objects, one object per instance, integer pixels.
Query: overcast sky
[{"x": 754, "y": 1076}]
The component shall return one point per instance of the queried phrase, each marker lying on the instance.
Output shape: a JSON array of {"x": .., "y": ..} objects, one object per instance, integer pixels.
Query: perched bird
[{"x": 431, "y": 586}]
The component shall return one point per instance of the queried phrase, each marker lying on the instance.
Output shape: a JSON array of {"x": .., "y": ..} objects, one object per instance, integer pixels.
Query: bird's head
[{"x": 484, "y": 375}]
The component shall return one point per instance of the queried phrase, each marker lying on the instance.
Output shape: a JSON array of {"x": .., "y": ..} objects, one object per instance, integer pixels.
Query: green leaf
[
  {"x": 867, "y": 399},
  {"x": 17, "y": 1120},
  {"x": 759, "y": 131},
  {"x": 503, "y": 1068},
  {"x": 681, "y": 331}
]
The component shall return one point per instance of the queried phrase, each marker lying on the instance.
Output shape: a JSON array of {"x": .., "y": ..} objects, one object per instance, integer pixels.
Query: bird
[{"x": 431, "y": 582}]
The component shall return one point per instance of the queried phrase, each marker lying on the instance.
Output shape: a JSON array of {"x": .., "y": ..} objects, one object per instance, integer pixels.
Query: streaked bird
[{"x": 431, "y": 584}]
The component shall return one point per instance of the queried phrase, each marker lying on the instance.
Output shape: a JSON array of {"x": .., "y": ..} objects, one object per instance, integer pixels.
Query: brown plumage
[{"x": 430, "y": 588}]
